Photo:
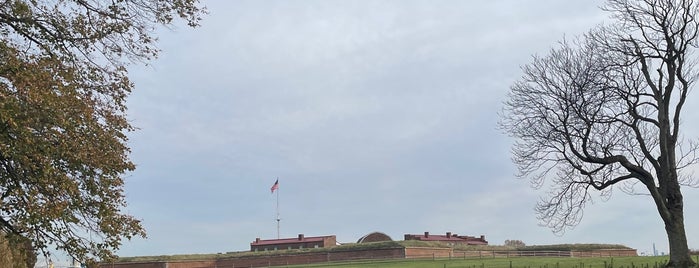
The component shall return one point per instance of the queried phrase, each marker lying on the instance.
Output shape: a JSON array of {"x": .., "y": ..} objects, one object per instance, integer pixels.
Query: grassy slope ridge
[
  {"x": 517, "y": 262},
  {"x": 370, "y": 246},
  {"x": 573, "y": 247}
]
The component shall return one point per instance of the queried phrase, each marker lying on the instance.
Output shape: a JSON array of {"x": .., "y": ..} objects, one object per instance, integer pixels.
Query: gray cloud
[{"x": 375, "y": 116}]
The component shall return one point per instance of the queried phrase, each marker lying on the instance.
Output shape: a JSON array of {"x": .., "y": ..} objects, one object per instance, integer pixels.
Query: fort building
[
  {"x": 448, "y": 238},
  {"x": 299, "y": 242}
]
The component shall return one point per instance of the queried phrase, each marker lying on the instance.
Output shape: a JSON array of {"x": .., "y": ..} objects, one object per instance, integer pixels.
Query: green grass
[{"x": 523, "y": 262}]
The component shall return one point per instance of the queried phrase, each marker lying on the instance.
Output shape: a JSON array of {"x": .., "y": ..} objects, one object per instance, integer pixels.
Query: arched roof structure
[{"x": 374, "y": 237}]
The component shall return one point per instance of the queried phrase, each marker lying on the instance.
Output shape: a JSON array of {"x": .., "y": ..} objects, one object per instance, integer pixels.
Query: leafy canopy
[{"x": 63, "y": 125}]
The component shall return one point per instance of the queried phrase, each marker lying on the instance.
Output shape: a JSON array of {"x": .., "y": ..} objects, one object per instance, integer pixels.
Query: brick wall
[
  {"x": 191, "y": 264},
  {"x": 422, "y": 252},
  {"x": 329, "y": 241},
  {"x": 134, "y": 265},
  {"x": 271, "y": 260},
  {"x": 308, "y": 258},
  {"x": 388, "y": 253}
]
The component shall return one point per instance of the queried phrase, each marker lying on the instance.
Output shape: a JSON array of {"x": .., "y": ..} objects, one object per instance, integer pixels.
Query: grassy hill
[
  {"x": 519, "y": 262},
  {"x": 368, "y": 246}
]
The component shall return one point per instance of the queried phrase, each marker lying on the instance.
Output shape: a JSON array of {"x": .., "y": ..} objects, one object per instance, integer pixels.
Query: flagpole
[{"x": 278, "y": 219}]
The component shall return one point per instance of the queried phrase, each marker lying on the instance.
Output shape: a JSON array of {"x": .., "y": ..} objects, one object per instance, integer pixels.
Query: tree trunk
[{"x": 677, "y": 238}]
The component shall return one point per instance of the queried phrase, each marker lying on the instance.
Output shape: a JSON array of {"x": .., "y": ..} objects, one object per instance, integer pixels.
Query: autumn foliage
[{"x": 63, "y": 126}]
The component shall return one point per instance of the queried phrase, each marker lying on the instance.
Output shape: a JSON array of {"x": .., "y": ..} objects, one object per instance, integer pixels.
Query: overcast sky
[{"x": 374, "y": 115}]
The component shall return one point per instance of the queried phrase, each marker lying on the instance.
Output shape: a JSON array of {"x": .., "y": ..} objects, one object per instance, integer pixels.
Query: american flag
[{"x": 275, "y": 186}]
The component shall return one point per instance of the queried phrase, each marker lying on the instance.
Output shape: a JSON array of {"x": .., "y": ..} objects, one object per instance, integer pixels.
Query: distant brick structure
[
  {"x": 285, "y": 258},
  {"x": 374, "y": 237},
  {"x": 300, "y": 242},
  {"x": 449, "y": 239}
]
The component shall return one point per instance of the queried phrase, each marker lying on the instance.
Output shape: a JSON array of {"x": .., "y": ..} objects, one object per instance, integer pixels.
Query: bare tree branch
[{"x": 605, "y": 109}]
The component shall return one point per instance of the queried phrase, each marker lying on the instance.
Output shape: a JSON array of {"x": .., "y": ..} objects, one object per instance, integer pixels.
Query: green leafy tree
[
  {"x": 63, "y": 126},
  {"x": 605, "y": 111}
]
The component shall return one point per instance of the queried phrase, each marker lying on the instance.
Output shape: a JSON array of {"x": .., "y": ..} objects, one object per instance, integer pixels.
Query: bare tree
[
  {"x": 515, "y": 243},
  {"x": 604, "y": 111}
]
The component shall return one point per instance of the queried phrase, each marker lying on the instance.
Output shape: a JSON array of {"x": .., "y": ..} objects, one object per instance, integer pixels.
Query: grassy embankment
[
  {"x": 367, "y": 246},
  {"x": 519, "y": 262},
  {"x": 181, "y": 257},
  {"x": 513, "y": 262}
]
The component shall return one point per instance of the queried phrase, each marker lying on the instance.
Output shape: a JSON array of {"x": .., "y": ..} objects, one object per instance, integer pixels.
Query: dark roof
[
  {"x": 432, "y": 237},
  {"x": 288, "y": 241},
  {"x": 374, "y": 237},
  {"x": 452, "y": 238}
]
